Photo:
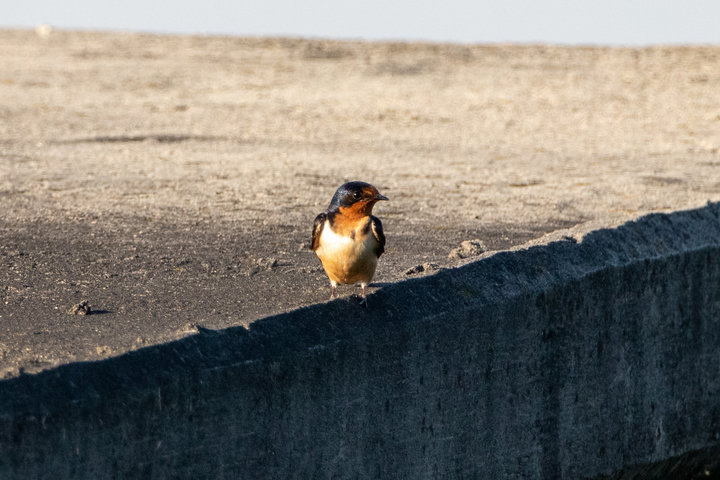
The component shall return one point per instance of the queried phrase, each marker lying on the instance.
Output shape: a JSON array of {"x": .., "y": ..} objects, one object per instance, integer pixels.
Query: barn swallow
[{"x": 347, "y": 238}]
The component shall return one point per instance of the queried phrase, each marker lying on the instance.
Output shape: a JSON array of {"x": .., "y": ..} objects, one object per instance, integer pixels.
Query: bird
[{"x": 347, "y": 238}]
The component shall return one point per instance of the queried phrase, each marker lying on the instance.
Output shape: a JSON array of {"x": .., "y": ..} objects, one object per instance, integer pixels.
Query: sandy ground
[{"x": 172, "y": 181}]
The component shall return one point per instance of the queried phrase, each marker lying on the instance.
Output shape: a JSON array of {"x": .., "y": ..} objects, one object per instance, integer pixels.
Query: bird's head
[{"x": 356, "y": 198}]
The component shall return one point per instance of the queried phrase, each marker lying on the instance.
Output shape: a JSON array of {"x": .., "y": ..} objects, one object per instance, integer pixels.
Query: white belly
[{"x": 345, "y": 259}]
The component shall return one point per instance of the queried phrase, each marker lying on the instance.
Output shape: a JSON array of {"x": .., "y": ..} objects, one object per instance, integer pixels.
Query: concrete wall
[{"x": 566, "y": 360}]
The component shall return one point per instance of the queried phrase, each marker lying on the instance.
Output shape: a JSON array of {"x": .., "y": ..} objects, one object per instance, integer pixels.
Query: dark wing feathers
[
  {"x": 317, "y": 230},
  {"x": 378, "y": 233}
]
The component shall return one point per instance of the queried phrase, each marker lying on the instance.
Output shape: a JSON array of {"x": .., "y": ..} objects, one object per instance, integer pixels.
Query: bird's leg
[
  {"x": 364, "y": 297},
  {"x": 333, "y": 286}
]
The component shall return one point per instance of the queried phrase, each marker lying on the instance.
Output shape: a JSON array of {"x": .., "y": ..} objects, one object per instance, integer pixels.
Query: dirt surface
[{"x": 171, "y": 181}]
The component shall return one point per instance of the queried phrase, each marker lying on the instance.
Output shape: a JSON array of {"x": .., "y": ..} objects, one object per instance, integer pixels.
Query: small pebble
[
  {"x": 425, "y": 267},
  {"x": 82, "y": 308},
  {"x": 468, "y": 248}
]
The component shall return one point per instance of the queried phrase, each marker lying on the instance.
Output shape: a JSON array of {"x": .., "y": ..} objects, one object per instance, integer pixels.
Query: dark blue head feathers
[{"x": 352, "y": 192}]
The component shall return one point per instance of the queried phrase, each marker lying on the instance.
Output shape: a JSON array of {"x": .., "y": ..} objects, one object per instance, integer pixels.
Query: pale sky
[{"x": 602, "y": 22}]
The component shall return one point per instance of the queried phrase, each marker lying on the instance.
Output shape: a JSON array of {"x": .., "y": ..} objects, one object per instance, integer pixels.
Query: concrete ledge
[{"x": 570, "y": 359}]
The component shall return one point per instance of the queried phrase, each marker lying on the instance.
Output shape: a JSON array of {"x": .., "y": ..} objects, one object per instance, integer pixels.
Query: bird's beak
[{"x": 381, "y": 197}]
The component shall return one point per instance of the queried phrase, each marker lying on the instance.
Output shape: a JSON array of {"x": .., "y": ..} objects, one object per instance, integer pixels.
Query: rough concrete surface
[
  {"x": 695, "y": 465},
  {"x": 171, "y": 182},
  {"x": 565, "y": 360}
]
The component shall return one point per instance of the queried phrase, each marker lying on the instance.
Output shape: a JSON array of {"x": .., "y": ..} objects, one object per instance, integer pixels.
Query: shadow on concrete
[
  {"x": 698, "y": 464},
  {"x": 566, "y": 360}
]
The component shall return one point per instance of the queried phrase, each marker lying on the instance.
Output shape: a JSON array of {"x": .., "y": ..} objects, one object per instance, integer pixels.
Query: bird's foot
[{"x": 363, "y": 299}]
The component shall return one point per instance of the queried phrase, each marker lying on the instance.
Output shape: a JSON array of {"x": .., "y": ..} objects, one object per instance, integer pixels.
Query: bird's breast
[{"x": 348, "y": 257}]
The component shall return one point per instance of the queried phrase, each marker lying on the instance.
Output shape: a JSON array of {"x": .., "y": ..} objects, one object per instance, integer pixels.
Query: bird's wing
[
  {"x": 378, "y": 233},
  {"x": 317, "y": 230}
]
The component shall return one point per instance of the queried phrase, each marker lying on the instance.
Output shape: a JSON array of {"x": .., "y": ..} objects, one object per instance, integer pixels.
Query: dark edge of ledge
[{"x": 703, "y": 463}]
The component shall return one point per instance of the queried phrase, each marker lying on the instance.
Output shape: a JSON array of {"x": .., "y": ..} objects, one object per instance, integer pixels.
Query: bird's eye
[{"x": 357, "y": 195}]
